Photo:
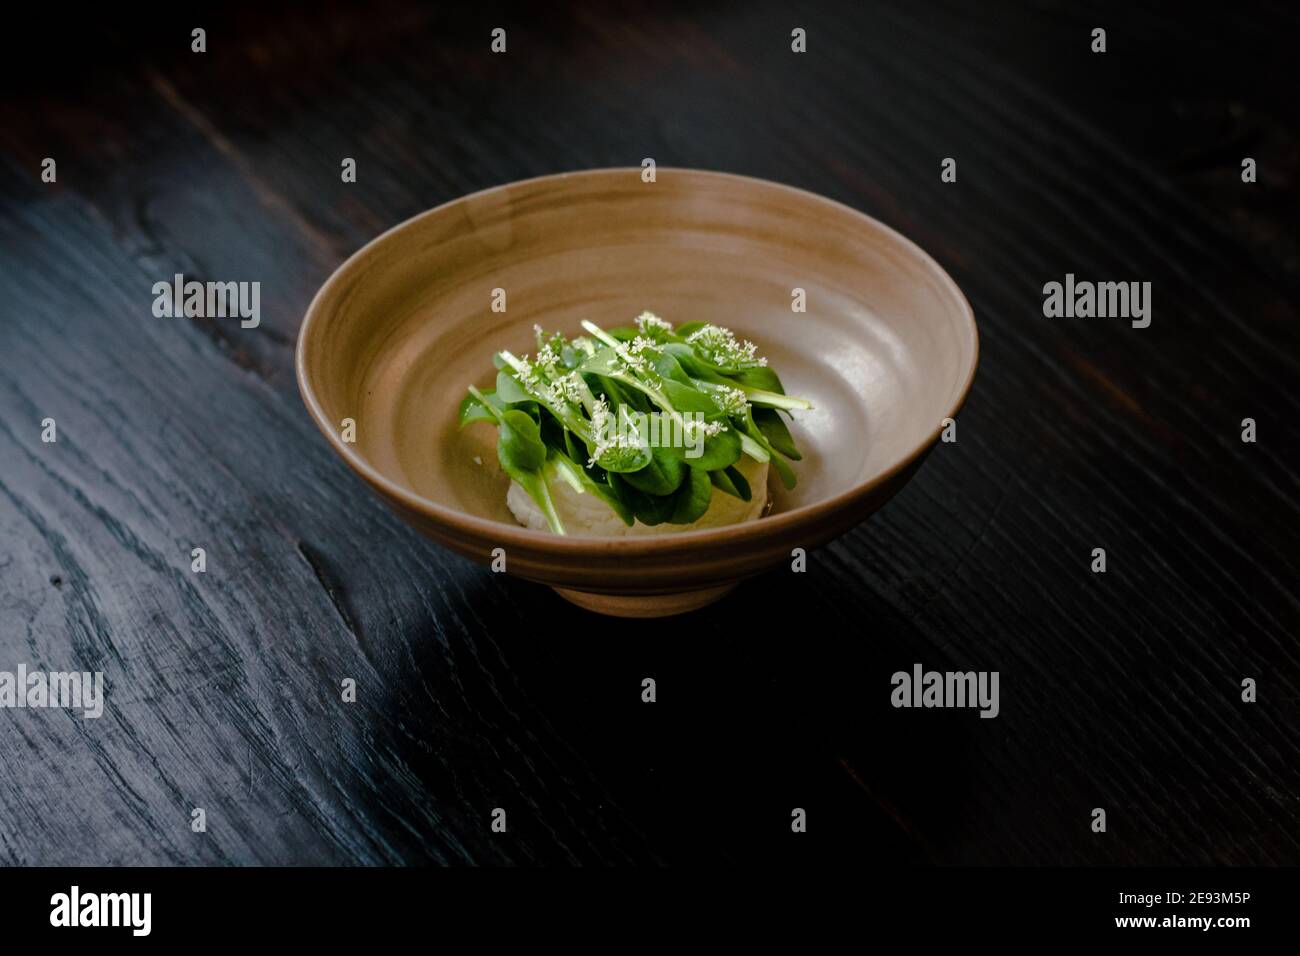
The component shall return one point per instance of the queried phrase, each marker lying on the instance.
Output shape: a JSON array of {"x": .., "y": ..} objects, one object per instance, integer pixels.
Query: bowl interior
[{"x": 884, "y": 350}]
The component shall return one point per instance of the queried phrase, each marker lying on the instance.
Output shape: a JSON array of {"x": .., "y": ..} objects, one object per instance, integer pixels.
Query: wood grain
[{"x": 476, "y": 691}]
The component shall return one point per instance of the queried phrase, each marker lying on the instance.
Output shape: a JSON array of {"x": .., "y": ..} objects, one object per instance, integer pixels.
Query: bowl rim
[{"x": 508, "y": 535}]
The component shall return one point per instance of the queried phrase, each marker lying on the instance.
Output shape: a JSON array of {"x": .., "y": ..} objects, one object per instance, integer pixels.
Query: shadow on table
[{"x": 774, "y": 699}]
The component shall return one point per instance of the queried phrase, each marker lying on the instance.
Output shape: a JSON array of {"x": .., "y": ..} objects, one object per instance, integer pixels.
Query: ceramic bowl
[{"x": 886, "y": 350}]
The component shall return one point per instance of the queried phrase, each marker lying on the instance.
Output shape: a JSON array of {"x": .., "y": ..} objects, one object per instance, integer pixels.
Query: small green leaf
[
  {"x": 648, "y": 509},
  {"x": 604, "y": 362},
  {"x": 472, "y": 410},
  {"x": 692, "y": 366},
  {"x": 535, "y": 484},
  {"x": 784, "y": 470},
  {"x": 687, "y": 398},
  {"x": 731, "y": 481},
  {"x": 774, "y": 429},
  {"x": 509, "y": 390},
  {"x": 624, "y": 460},
  {"x": 571, "y": 447},
  {"x": 662, "y": 476},
  {"x": 720, "y": 451},
  {"x": 519, "y": 443},
  {"x": 692, "y": 499},
  {"x": 669, "y": 368},
  {"x": 762, "y": 378}
]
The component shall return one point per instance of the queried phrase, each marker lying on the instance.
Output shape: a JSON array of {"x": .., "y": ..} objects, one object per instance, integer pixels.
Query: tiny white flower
[
  {"x": 695, "y": 427},
  {"x": 570, "y": 388},
  {"x": 719, "y": 346},
  {"x": 649, "y": 323},
  {"x": 731, "y": 400},
  {"x": 610, "y": 438},
  {"x": 640, "y": 345},
  {"x": 548, "y": 359}
]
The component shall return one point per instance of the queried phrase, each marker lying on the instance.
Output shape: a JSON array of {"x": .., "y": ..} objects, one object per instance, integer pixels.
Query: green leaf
[
  {"x": 762, "y": 378},
  {"x": 571, "y": 358},
  {"x": 571, "y": 447},
  {"x": 649, "y": 510},
  {"x": 623, "y": 460},
  {"x": 554, "y": 434},
  {"x": 720, "y": 451},
  {"x": 509, "y": 390},
  {"x": 600, "y": 363},
  {"x": 472, "y": 410},
  {"x": 731, "y": 482},
  {"x": 535, "y": 485},
  {"x": 619, "y": 394},
  {"x": 774, "y": 429},
  {"x": 741, "y": 483},
  {"x": 688, "y": 398},
  {"x": 693, "y": 366},
  {"x": 692, "y": 498},
  {"x": 523, "y": 455},
  {"x": 519, "y": 443},
  {"x": 662, "y": 476},
  {"x": 559, "y": 466},
  {"x": 669, "y": 368},
  {"x": 784, "y": 470}
]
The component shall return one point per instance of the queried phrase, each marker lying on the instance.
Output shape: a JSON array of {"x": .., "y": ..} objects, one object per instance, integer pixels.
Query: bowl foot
[{"x": 645, "y": 605}]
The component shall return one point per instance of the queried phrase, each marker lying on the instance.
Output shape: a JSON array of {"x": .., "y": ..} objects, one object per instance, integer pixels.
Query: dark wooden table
[{"x": 1119, "y": 690}]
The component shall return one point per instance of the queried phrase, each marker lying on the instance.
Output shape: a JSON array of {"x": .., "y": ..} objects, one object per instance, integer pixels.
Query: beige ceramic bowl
[{"x": 886, "y": 350}]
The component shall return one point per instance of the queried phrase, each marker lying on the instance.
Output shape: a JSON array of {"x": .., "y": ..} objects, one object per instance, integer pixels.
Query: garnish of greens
[{"x": 553, "y": 411}]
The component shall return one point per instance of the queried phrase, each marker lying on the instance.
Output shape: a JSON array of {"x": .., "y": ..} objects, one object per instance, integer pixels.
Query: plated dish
[{"x": 860, "y": 323}]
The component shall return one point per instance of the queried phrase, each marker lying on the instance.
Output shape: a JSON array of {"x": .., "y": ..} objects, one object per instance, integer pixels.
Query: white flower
[
  {"x": 650, "y": 324},
  {"x": 719, "y": 346},
  {"x": 633, "y": 356},
  {"x": 548, "y": 359},
  {"x": 638, "y": 350},
  {"x": 609, "y": 438},
  {"x": 695, "y": 427},
  {"x": 731, "y": 400},
  {"x": 570, "y": 388}
]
